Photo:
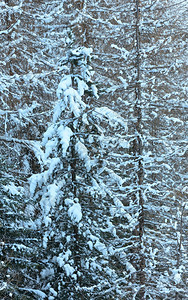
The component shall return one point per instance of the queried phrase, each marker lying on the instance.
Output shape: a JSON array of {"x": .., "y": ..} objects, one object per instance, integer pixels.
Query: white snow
[
  {"x": 101, "y": 248},
  {"x": 53, "y": 292},
  {"x": 53, "y": 164},
  {"x": 68, "y": 269},
  {"x": 130, "y": 267},
  {"x": 50, "y": 132},
  {"x": 62, "y": 258},
  {"x": 34, "y": 181},
  {"x": 84, "y": 119},
  {"x": 52, "y": 191},
  {"x": 70, "y": 97},
  {"x": 123, "y": 51},
  {"x": 47, "y": 272},
  {"x": 177, "y": 278},
  {"x": 60, "y": 261},
  {"x": 64, "y": 84},
  {"x": 82, "y": 50},
  {"x": 82, "y": 86},
  {"x": 67, "y": 255},
  {"x": 124, "y": 144},
  {"x": 114, "y": 118},
  {"x": 95, "y": 266},
  {"x": 50, "y": 146},
  {"x": 86, "y": 51},
  {"x": 75, "y": 212},
  {"x": 124, "y": 81},
  {"x": 42, "y": 178},
  {"x": 95, "y": 91},
  {"x": 65, "y": 134},
  {"x": 39, "y": 153},
  {"x": 57, "y": 111},
  {"x": 90, "y": 244},
  {"x": 12, "y": 189},
  {"x": 119, "y": 205},
  {"x": 83, "y": 154},
  {"x": 114, "y": 177},
  {"x": 45, "y": 240},
  {"x": 3, "y": 285},
  {"x": 25, "y": 112},
  {"x": 48, "y": 201},
  {"x": 73, "y": 100}
]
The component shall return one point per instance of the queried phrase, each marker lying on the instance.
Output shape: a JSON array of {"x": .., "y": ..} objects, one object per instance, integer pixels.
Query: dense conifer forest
[{"x": 93, "y": 150}]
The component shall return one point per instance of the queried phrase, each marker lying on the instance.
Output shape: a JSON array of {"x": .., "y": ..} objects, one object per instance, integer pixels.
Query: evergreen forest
[{"x": 93, "y": 150}]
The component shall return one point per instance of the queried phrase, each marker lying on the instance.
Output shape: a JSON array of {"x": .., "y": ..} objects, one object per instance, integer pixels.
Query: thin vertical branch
[
  {"x": 138, "y": 148},
  {"x": 73, "y": 165}
]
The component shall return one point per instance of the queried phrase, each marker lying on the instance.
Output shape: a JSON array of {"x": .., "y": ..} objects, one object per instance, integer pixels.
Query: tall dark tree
[{"x": 147, "y": 83}]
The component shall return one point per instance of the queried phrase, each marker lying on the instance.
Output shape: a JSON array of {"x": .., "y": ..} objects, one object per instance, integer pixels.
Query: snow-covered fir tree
[
  {"x": 119, "y": 196},
  {"x": 74, "y": 190}
]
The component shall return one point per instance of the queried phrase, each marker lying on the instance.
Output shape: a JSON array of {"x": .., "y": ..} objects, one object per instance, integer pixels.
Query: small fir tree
[{"x": 74, "y": 190}]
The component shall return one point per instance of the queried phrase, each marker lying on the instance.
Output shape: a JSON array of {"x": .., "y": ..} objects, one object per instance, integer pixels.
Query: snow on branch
[
  {"x": 106, "y": 113},
  {"x": 26, "y": 143}
]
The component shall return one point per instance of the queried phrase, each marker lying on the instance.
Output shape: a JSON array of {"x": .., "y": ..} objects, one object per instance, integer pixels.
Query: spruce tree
[{"x": 74, "y": 189}]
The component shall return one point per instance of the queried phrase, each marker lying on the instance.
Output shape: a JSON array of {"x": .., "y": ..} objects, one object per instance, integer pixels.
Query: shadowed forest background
[{"x": 93, "y": 149}]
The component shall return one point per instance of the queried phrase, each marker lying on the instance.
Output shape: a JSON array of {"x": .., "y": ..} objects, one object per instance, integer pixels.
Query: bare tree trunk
[{"x": 138, "y": 148}]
